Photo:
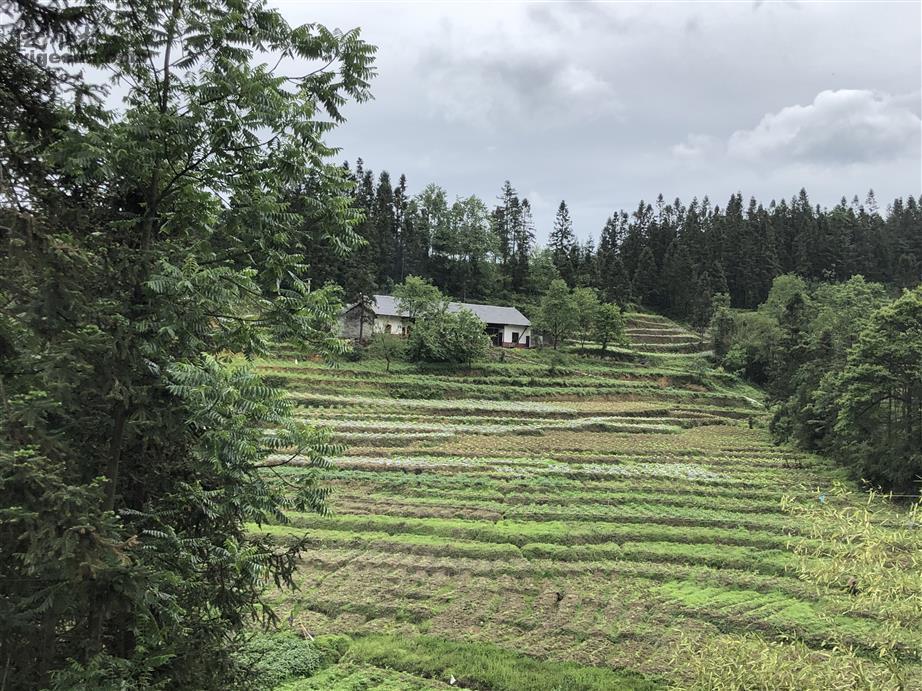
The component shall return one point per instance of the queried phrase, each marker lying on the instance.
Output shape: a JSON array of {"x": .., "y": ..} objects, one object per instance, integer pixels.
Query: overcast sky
[{"x": 607, "y": 104}]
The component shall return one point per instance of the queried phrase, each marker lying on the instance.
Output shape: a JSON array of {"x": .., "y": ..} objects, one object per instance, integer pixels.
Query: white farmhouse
[{"x": 505, "y": 326}]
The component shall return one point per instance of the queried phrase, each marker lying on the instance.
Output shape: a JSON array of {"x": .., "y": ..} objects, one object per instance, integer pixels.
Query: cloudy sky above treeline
[{"x": 604, "y": 104}]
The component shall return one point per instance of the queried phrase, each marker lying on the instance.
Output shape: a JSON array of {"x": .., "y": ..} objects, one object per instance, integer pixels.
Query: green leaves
[
  {"x": 557, "y": 314},
  {"x": 608, "y": 326},
  {"x": 148, "y": 250},
  {"x": 443, "y": 336},
  {"x": 879, "y": 426}
]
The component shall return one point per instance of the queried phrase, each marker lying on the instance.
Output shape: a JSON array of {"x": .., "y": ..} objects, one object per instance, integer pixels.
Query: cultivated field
[{"x": 553, "y": 520}]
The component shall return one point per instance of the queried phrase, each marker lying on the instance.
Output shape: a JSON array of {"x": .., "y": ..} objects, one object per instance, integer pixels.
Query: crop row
[
  {"x": 568, "y": 486},
  {"x": 634, "y": 513},
  {"x": 665, "y": 497},
  {"x": 557, "y": 533},
  {"x": 588, "y": 424},
  {"x": 766, "y": 561}
]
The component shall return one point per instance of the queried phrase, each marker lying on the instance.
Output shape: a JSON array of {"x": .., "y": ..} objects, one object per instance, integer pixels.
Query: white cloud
[{"x": 839, "y": 127}]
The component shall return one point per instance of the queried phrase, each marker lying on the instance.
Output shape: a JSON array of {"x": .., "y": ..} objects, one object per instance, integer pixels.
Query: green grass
[
  {"x": 472, "y": 665},
  {"x": 351, "y": 676}
]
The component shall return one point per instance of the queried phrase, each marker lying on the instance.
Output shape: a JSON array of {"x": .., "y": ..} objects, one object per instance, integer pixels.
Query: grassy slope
[{"x": 552, "y": 508}]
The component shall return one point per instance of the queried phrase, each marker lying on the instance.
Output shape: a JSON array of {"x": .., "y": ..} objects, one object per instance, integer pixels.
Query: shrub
[
  {"x": 453, "y": 337},
  {"x": 331, "y": 648},
  {"x": 274, "y": 657}
]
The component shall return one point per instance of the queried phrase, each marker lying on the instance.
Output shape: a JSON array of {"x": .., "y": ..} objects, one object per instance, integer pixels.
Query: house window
[
  {"x": 515, "y": 336},
  {"x": 387, "y": 328}
]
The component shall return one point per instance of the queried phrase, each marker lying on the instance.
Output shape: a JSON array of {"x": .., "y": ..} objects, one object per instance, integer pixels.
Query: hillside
[{"x": 496, "y": 526}]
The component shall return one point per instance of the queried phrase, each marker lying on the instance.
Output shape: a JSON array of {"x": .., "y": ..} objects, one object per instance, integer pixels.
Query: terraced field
[
  {"x": 600, "y": 513},
  {"x": 655, "y": 334}
]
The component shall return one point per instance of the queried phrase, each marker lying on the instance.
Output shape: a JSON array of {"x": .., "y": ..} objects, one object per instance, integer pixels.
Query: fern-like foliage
[{"x": 149, "y": 250}]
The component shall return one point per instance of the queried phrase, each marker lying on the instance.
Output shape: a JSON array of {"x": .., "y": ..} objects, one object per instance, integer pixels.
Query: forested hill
[{"x": 668, "y": 256}]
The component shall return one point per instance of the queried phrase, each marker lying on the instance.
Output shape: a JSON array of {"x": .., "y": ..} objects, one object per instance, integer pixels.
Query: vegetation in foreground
[
  {"x": 138, "y": 246},
  {"x": 424, "y": 662}
]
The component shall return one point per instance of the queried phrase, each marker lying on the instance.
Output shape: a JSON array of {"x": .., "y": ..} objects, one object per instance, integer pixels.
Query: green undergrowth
[{"x": 417, "y": 663}]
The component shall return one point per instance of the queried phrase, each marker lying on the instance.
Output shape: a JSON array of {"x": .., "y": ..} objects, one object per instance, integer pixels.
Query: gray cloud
[
  {"x": 696, "y": 146},
  {"x": 495, "y": 84},
  {"x": 577, "y": 16}
]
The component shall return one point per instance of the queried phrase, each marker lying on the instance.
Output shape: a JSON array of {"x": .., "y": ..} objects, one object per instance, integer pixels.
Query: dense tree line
[
  {"x": 842, "y": 366},
  {"x": 670, "y": 257}
]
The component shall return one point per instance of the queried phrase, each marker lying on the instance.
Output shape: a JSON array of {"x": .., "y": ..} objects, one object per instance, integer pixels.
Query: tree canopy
[
  {"x": 879, "y": 423},
  {"x": 842, "y": 365}
]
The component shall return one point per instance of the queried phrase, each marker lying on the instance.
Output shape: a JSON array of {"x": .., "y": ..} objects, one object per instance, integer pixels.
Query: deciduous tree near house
[
  {"x": 608, "y": 326},
  {"x": 557, "y": 312},
  {"x": 416, "y": 297},
  {"x": 586, "y": 304},
  {"x": 451, "y": 337}
]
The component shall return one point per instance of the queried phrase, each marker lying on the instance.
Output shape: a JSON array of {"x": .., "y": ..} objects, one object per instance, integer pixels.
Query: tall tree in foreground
[{"x": 139, "y": 248}]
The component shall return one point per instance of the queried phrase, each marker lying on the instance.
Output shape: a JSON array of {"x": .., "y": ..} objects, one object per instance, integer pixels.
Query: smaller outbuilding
[{"x": 506, "y": 326}]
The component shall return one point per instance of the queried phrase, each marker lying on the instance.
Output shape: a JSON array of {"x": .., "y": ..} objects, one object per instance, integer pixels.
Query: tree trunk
[{"x": 119, "y": 417}]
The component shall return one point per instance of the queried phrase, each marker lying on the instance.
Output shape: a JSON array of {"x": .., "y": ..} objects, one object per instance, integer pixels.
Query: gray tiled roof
[{"x": 386, "y": 306}]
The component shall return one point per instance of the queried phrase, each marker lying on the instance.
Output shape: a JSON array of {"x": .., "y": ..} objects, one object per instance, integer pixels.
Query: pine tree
[
  {"x": 646, "y": 279},
  {"x": 416, "y": 241},
  {"x": 523, "y": 241},
  {"x": 562, "y": 242},
  {"x": 506, "y": 222},
  {"x": 401, "y": 202},
  {"x": 680, "y": 281},
  {"x": 385, "y": 223}
]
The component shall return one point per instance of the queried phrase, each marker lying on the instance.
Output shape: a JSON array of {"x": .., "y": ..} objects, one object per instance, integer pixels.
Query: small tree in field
[
  {"x": 387, "y": 347},
  {"x": 586, "y": 302},
  {"x": 721, "y": 324},
  {"x": 557, "y": 313},
  {"x": 416, "y": 296},
  {"x": 609, "y": 325}
]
